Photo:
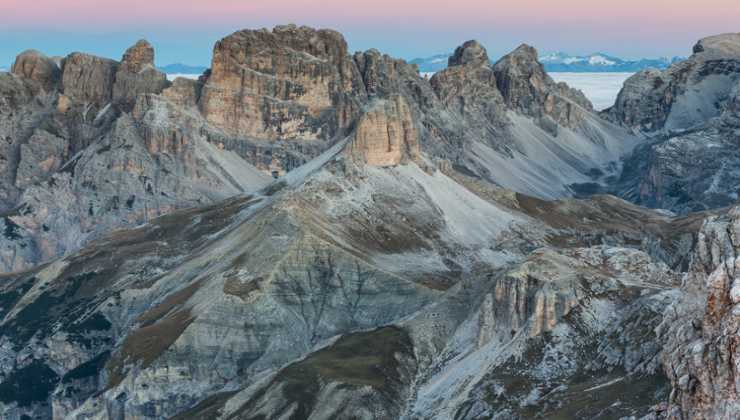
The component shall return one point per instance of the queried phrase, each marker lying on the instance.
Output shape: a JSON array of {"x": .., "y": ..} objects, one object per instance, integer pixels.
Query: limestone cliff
[{"x": 386, "y": 134}]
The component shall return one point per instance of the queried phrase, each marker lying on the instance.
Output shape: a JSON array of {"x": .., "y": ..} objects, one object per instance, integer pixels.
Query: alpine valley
[{"x": 305, "y": 233}]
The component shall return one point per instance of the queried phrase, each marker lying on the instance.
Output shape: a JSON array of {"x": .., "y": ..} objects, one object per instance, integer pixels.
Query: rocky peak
[
  {"x": 527, "y": 88},
  {"x": 35, "y": 66},
  {"x": 471, "y": 52},
  {"x": 137, "y": 75},
  {"x": 386, "y": 134},
  {"x": 138, "y": 57},
  {"x": 723, "y": 46},
  {"x": 292, "y": 82}
]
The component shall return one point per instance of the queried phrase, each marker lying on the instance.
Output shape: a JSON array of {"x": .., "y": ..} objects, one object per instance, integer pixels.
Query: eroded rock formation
[{"x": 386, "y": 134}]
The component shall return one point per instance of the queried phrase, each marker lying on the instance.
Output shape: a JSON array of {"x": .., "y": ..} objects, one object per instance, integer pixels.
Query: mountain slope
[{"x": 281, "y": 261}]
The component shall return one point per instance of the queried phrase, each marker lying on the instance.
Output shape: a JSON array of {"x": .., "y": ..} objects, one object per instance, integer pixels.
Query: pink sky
[
  {"x": 456, "y": 12},
  {"x": 403, "y": 27}
]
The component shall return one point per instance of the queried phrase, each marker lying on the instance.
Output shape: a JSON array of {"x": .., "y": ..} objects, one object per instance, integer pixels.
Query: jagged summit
[
  {"x": 471, "y": 52},
  {"x": 138, "y": 56}
]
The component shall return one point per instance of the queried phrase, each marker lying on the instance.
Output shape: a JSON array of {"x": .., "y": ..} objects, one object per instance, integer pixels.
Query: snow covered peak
[{"x": 600, "y": 60}]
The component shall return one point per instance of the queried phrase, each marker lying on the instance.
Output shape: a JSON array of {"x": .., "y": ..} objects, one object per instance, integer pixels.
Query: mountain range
[
  {"x": 308, "y": 233},
  {"x": 553, "y": 62},
  {"x": 563, "y": 62}
]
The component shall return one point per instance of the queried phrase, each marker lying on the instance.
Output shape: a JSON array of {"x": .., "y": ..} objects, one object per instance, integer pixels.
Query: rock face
[
  {"x": 469, "y": 86},
  {"x": 457, "y": 289},
  {"x": 685, "y": 95},
  {"x": 386, "y": 134},
  {"x": 526, "y": 87},
  {"x": 32, "y": 65},
  {"x": 690, "y": 113},
  {"x": 702, "y": 329},
  {"x": 291, "y": 83},
  {"x": 88, "y": 79},
  {"x": 515, "y": 111},
  {"x": 275, "y": 99}
]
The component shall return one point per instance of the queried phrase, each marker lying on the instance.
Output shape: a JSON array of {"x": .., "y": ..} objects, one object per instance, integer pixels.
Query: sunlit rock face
[
  {"x": 291, "y": 83},
  {"x": 386, "y": 134}
]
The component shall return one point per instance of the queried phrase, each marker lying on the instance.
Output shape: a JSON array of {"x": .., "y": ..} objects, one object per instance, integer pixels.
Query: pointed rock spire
[{"x": 138, "y": 56}]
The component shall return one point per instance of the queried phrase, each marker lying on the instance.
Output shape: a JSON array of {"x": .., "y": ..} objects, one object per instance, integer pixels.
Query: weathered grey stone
[{"x": 35, "y": 66}]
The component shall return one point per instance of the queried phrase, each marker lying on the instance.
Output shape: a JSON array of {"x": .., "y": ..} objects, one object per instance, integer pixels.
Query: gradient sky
[{"x": 185, "y": 30}]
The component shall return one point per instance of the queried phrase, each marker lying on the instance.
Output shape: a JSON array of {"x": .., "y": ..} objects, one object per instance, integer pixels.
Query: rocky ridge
[
  {"x": 93, "y": 145},
  {"x": 275, "y": 99}
]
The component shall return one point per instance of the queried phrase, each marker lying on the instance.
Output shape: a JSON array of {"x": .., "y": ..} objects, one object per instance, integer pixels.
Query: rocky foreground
[{"x": 305, "y": 233}]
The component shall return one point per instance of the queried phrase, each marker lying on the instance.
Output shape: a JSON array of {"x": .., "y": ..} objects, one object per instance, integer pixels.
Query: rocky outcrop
[
  {"x": 34, "y": 66},
  {"x": 719, "y": 46},
  {"x": 136, "y": 75},
  {"x": 88, "y": 79},
  {"x": 471, "y": 52},
  {"x": 184, "y": 92},
  {"x": 527, "y": 88},
  {"x": 386, "y": 134},
  {"x": 291, "y": 83}
]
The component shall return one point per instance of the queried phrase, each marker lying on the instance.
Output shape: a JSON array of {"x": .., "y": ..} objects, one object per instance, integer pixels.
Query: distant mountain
[
  {"x": 562, "y": 62},
  {"x": 600, "y": 62},
  {"x": 179, "y": 68}
]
